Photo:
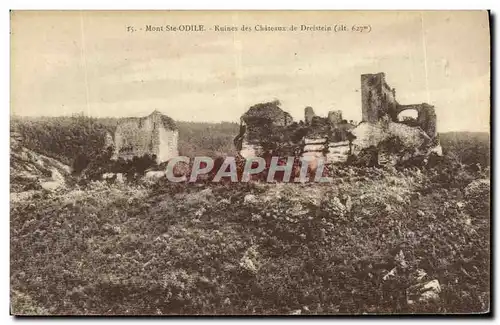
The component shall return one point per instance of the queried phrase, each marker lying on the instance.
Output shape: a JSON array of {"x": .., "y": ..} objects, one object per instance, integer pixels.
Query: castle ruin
[
  {"x": 379, "y": 100},
  {"x": 155, "y": 134},
  {"x": 270, "y": 129}
]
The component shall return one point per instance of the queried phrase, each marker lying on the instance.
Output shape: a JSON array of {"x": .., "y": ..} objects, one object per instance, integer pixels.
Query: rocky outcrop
[
  {"x": 424, "y": 292},
  {"x": 478, "y": 189},
  {"x": 375, "y": 134},
  {"x": 268, "y": 113},
  {"x": 32, "y": 171},
  {"x": 262, "y": 129},
  {"x": 267, "y": 129}
]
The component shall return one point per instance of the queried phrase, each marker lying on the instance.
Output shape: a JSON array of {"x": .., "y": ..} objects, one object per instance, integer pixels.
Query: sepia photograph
[{"x": 253, "y": 163}]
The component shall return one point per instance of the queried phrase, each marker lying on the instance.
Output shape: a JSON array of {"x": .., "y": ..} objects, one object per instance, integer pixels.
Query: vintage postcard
[{"x": 250, "y": 163}]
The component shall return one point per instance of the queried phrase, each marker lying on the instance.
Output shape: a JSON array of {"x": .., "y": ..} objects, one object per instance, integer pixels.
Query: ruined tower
[
  {"x": 308, "y": 114},
  {"x": 377, "y": 98},
  {"x": 336, "y": 139},
  {"x": 335, "y": 117},
  {"x": 379, "y": 101},
  {"x": 155, "y": 134}
]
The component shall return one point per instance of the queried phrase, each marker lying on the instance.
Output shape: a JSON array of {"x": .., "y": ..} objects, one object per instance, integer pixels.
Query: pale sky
[{"x": 68, "y": 62}]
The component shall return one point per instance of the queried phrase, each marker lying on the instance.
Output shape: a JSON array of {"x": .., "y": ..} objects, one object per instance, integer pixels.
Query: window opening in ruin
[{"x": 408, "y": 117}]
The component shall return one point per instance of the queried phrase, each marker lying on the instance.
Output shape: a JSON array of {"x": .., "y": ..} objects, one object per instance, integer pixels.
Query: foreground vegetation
[
  {"x": 357, "y": 246},
  {"x": 363, "y": 244}
]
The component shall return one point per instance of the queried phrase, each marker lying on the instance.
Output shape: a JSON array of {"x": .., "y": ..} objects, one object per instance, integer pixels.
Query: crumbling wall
[
  {"x": 133, "y": 138},
  {"x": 379, "y": 99},
  {"x": 380, "y": 134},
  {"x": 426, "y": 118},
  {"x": 338, "y": 151},
  {"x": 380, "y": 111},
  {"x": 329, "y": 137},
  {"x": 317, "y": 136},
  {"x": 168, "y": 144},
  {"x": 335, "y": 117},
  {"x": 146, "y": 135}
]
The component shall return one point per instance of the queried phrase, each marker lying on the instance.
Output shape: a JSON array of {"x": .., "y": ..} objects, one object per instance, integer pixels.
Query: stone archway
[
  {"x": 425, "y": 119},
  {"x": 408, "y": 117}
]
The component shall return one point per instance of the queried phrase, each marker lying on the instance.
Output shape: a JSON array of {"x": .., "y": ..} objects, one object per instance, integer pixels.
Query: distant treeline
[
  {"x": 468, "y": 148},
  {"x": 69, "y": 137},
  {"x": 66, "y": 138},
  {"x": 207, "y": 139}
]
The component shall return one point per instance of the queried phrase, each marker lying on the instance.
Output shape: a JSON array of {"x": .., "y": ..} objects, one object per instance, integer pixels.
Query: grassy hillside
[
  {"x": 360, "y": 245},
  {"x": 365, "y": 244},
  {"x": 467, "y": 147}
]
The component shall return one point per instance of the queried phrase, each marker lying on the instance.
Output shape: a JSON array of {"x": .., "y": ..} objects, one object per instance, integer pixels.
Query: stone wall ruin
[
  {"x": 379, "y": 100},
  {"x": 380, "y": 132},
  {"x": 155, "y": 134}
]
